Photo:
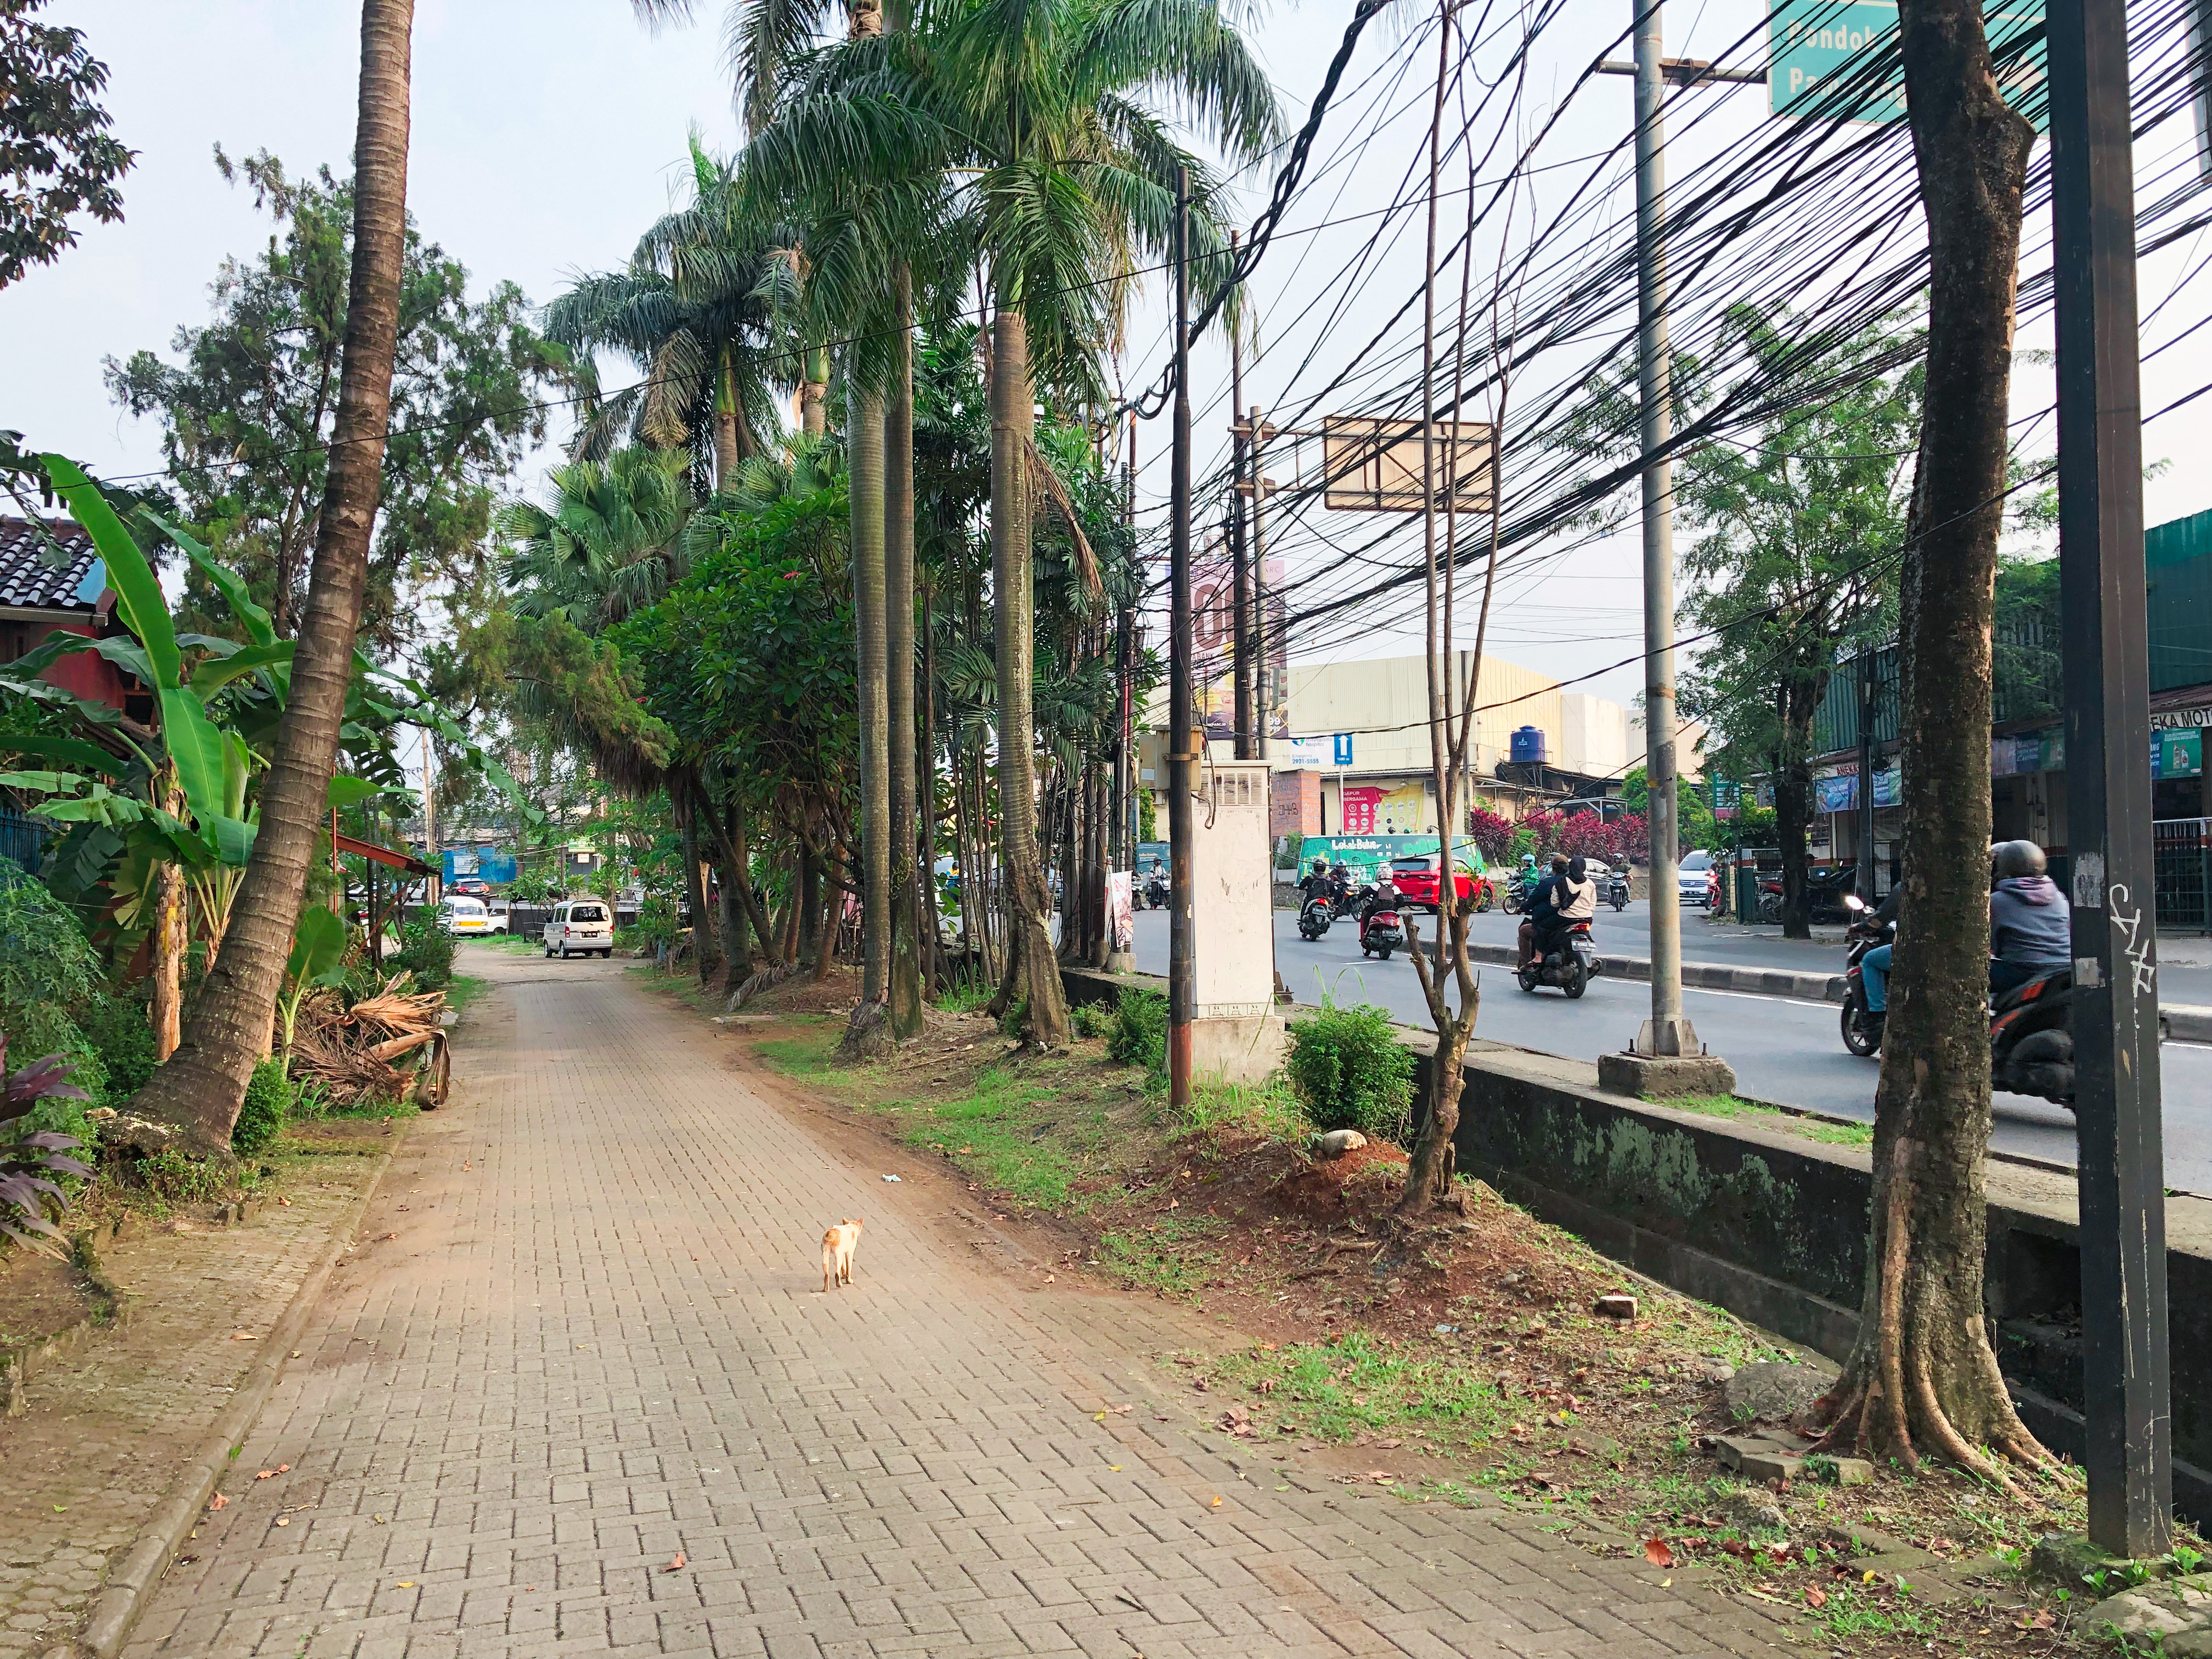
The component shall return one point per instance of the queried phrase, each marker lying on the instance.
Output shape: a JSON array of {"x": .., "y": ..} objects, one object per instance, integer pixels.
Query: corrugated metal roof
[{"x": 28, "y": 580}]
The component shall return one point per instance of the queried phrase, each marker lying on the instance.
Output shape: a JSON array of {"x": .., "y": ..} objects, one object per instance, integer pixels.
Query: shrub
[
  {"x": 35, "y": 1152},
  {"x": 173, "y": 1178},
  {"x": 117, "y": 1027},
  {"x": 48, "y": 969},
  {"x": 268, "y": 1102},
  {"x": 427, "y": 949},
  {"x": 1139, "y": 1033},
  {"x": 1090, "y": 1019},
  {"x": 1010, "y": 1023},
  {"x": 1352, "y": 1071}
]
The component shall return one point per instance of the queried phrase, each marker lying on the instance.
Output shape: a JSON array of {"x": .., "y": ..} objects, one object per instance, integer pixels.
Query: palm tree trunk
[
  {"x": 908, "y": 939},
  {"x": 703, "y": 954},
  {"x": 865, "y": 459},
  {"x": 814, "y": 394},
  {"x": 1923, "y": 1377},
  {"x": 725, "y": 422},
  {"x": 1032, "y": 976},
  {"x": 199, "y": 1090}
]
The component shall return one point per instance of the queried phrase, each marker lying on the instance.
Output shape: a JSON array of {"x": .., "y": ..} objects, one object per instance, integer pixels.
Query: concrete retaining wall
[{"x": 1772, "y": 1226}]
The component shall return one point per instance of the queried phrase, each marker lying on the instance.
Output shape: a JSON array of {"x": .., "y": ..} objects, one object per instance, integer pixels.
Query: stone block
[
  {"x": 2063, "y": 1557},
  {"x": 1773, "y": 1391},
  {"x": 1655, "y": 1076},
  {"x": 1616, "y": 1306},
  {"x": 1756, "y": 1458}
]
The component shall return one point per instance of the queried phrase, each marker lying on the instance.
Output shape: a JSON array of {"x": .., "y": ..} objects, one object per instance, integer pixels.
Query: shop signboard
[
  {"x": 1357, "y": 808},
  {"x": 1836, "y": 794},
  {"x": 1728, "y": 798},
  {"x": 1313, "y": 753},
  {"x": 1889, "y": 787},
  {"x": 2181, "y": 753}
]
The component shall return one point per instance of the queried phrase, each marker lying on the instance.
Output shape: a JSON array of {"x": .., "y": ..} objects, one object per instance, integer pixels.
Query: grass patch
[
  {"x": 1019, "y": 1128},
  {"x": 1854, "y": 1611},
  {"x": 513, "y": 944},
  {"x": 811, "y": 1053},
  {"x": 1162, "y": 1258},
  {"x": 1343, "y": 1389},
  {"x": 464, "y": 990},
  {"x": 1735, "y": 1108}
]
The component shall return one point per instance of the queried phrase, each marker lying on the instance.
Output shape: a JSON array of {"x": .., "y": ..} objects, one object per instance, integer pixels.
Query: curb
[
  {"x": 2187, "y": 1024},
  {"x": 117, "y": 1608}
]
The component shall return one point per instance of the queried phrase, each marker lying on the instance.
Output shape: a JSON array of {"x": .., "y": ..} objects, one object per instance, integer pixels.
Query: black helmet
[
  {"x": 1321, "y": 864},
  {"x": 2017, "y": 857}
]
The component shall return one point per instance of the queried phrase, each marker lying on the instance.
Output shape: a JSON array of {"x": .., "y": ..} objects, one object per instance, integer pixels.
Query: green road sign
[{"x": 1838, "y": 59}]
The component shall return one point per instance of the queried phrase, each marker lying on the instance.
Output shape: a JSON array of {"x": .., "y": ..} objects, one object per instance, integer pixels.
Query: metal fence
[
  {"x": 2181, "y": 851},
  {"x": 22, "y": 840}
]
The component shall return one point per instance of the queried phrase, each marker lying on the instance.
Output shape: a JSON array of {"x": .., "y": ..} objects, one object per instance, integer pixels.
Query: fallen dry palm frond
[{"x": 349, "y": 1050}]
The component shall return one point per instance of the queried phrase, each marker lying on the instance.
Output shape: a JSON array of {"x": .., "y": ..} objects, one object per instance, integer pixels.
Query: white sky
[{"x": 546, "y": 135}]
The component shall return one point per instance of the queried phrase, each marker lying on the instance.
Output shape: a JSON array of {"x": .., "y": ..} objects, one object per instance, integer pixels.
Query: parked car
[
  {"x": 465, "y": 918},
  {"x": 1419, "y": 889},
  {"x": 580, "y": 926},
  {"x": 1694, "y": 882},
  {"x": 474, "y": 886}
]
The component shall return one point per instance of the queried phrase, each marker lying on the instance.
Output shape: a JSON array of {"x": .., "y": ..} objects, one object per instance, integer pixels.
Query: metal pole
[
  {"x": 1666, "y": 1032},
  {"x": 1136, "y": 645},
  {"x": 1182, "y": 758},
  {"x": 1240, "y": 579},
  {"x": 1261, "y": 702},
  {"x": 431, "y": 884},
  {"x": 1863, "y": 877},
  {"x": 2104, "y": 648}
]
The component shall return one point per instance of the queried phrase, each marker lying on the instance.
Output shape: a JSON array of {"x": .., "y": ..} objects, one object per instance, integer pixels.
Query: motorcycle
[
  {"x": 1517, "y": 892},
  {"x": 1827, "y": 893},
  {"x": 2030, "y": 1039},
  {"x": 1863, "y": 1026},
  {"x": 1316, "y": 915},
  {"x": 1616, "y": 892},
  {"x": 1381, "y": 933},
  {"x": 1568, "y": 964},
  {"x": 1155, "y": 891}
]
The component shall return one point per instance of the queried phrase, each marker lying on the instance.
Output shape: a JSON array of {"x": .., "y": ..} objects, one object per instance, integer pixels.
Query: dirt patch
[{"x": 1326, "y": 1192}]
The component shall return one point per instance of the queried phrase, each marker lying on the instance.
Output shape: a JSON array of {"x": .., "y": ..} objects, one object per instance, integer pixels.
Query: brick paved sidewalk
[
  {"x": 599, "y": 1341},
  {"x": 107, "y": 1429}
]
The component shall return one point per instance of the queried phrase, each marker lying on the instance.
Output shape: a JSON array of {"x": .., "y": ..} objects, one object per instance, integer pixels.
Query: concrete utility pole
[
  {"x": 2126, "y": 1383},
  {"x": 1261, "y": 432},
  {"x": 1667, "y": 1058},
  {"x": 1183, "y": 755},
  {"x": 433, "y": 884},
  {"x": 1240, "y": 632}
]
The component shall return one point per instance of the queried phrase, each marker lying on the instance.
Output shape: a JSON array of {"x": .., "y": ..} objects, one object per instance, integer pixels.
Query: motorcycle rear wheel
[
  {"x": 1383, "y": 951},
  {"x": 1530, "y": 978},
  {"x": 1572, "y": 980}
]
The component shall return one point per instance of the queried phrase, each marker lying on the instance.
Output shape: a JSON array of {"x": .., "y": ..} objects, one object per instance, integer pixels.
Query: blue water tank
[{"x": 1528, "y": 744}]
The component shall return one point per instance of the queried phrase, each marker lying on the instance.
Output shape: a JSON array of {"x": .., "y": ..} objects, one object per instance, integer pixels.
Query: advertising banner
[
  {"x": 1311, "y": 752},
  {"x": 1836, "y": 794},
  {"x": 1369, "y": 855},
  {"x": 1887, "y": 786},
  {"x": 1358, "y": 809},
  {"x": 1120, "y": 911}
]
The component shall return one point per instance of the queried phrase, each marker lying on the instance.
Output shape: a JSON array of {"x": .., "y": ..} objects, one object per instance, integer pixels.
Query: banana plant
[{"x": 318, "y": 958}]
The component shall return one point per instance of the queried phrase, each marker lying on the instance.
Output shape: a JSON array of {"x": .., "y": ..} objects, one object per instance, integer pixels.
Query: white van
[{"x": 581, "y": 926}]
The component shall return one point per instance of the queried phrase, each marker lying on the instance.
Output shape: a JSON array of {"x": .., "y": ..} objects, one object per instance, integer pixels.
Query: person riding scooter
[
  {"x": 1317, "y": 884},
  {"x": 1383, "y": 895},
  {"x": 2031, "y": 924}
]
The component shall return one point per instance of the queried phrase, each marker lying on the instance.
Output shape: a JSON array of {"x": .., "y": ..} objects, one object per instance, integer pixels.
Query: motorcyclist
[
  {"x": 2031, "y": 924},
  {"x": 1317, "y": 884},
  {"x": 1541, "y": 908},
  {"x": 1874, "y": 966},
  {"x": 1383, "y": 895}
]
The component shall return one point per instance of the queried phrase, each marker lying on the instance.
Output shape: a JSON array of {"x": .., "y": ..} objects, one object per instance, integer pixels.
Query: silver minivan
[{"x": 581, "y": 926}]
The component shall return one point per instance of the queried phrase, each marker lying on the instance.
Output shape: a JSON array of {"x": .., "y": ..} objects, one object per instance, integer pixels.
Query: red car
[{"x": 1415, "y": 879}]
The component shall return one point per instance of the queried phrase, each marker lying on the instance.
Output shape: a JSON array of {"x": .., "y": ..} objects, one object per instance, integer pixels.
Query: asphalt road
[{"x": 1783, "y": 1049}]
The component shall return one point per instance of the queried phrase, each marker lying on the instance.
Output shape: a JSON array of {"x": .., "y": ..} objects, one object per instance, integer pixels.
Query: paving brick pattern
[
  {"x": 107, "y": 1427},
  {"x": 599, "y": 1341}
]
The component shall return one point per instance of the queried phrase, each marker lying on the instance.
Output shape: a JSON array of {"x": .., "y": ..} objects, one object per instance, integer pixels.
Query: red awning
[{"x": 407, "y": 861}]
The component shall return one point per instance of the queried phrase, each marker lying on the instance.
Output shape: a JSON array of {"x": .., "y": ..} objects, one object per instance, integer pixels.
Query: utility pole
[
  {"x": 1240, "y": 579},
  {"x": 1261, "y": 702},
  {"x": 1182, "y": 752},
  {"x": 2127, "y": 1388},
  {"x": 1863, "y": 877},
  {"x": 1121, "y": 853},
  {"x": 1668, "y": 1037}
]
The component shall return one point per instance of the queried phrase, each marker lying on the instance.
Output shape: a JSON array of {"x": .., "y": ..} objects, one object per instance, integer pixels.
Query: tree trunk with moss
[
  {"x": 907, "y": 940},
  {"x": 1032, "y": 978},
  {"x": 1923, "y": 1378}
]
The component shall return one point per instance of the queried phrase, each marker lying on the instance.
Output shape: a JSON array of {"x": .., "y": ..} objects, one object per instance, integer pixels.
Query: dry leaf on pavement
[
  {"x": 218, "y": 1502},
  {"x": 1657, "y": 1551},
  {"x": 677, "y": 1565}
]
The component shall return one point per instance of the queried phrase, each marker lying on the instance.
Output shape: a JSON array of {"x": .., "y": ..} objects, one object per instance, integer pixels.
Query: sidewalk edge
[{"x": 116, "y": 1610}]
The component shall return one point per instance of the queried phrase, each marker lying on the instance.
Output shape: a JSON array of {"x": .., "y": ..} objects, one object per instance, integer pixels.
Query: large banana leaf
[
  {"x": 195, "y": 743},
  {"x": 260, "y": 626}
]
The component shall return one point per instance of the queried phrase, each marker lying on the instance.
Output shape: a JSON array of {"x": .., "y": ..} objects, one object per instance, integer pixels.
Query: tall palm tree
[
  {"x": 198, "y": 1090},
  {"x": 701, "y": 310},
  {"x": 608, "y": 540},
  {"x": 1041, "y": 111}
]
